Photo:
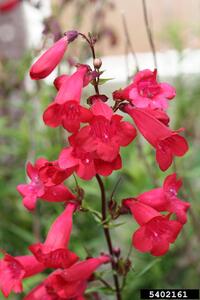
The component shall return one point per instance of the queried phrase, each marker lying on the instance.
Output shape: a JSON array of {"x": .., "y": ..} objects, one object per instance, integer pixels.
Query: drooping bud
[
  {"x": 48, "y": 61},
  {"x": 71, "y": 35}
]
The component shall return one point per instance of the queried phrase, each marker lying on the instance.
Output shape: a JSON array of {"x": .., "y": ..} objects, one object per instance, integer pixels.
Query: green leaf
[
  {"x": 94, "y": 212},
  {"x": 104, "y": 290},
  {"x": 112, "y": 225},
  {"x": 104, "y": 80},
  {"x": 149, "y": 266}
]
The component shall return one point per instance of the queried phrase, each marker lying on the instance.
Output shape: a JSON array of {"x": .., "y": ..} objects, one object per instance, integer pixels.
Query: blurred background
[{"x": 30, "y": 26}]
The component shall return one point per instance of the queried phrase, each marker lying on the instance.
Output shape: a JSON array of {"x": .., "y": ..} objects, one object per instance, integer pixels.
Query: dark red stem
[
  {"x": 108, "y": 237},
  {"x": 91, "y": 44}
]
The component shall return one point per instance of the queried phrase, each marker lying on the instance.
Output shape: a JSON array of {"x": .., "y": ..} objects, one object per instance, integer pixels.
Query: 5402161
[{"x": 169, "y": 294}]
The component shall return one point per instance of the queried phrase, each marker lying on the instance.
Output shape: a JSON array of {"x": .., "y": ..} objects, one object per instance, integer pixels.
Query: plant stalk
[{"x": 108, "y": 237}]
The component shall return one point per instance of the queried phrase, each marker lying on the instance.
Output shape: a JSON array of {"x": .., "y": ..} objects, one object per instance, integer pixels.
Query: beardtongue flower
[
  {"x": 146, "y": 92},
  {"x": 168, "y": 143},
  {"x": 66, "y": 110},
  {"x": 48, "y": 61},
  {"x": 51, "y": 174},
  {"x": 14, "y": 269},
  {"x": 105, "y": 134},
  {"x": 60, "y": 80},
  {"x": 54, "y": 253},
  {"x": 43, "y": 292},
  {"x": 40, "y": 187},
  {"x": 70, "y": 283},
  {"x": 156, "y": 233},
  {"x": 7, "y": 5},
  {"x": 85, "y": 164},
  {"x": 159, "y": 114},
  {"x": 165, "y": 198}
]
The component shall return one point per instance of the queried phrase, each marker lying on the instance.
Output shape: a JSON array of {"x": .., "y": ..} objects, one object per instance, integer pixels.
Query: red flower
[
  {"x": 54, "y": 253},
  {"x": 145, "y": 91},
  {"x": 156, "y": 231},
  {"x": 159, "y": 114},
  {"x": 83, "y": 162},
  {"x": 165, "y": 198},
  {"x": 86, "y": 166},
  {"x": 14, "y": 269},
  {"x": 66, "y": 109},
  {"x": 105, "y": 134},
  {"x": 167, "y": 143},
  {"x": 8, "y": 5},
  {"x": 69, "y": 283},
  {"x": 45, "y": 184},
  {"x": 60, "y": 80},
  {"x": 48, "y": 61}
]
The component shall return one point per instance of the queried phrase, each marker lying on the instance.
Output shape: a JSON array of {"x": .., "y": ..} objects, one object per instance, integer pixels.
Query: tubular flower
[
  {"x": 54, "y": 253},
  {"x": 48, "y": 61},
  {"x": 82, "y": 161},
  {"x": 60, "y": 80},
  {"x": 66, "y": 110},
  {"x": 69, "y": 283},
  {"x": 7, "y": 5},
  {"x": 86, "y": 166},
  {"x": 43, "y": 292},
  {"x": 14, "y": 269},
  {"x": 105, "y": 134},
  {"x": 42, "y": 186},
  {"x": 168, "y": 143},
  {"x": 146, "y": 92},
  {"x": 165, "y": 198},
  {"x": 156, "y": 231}
]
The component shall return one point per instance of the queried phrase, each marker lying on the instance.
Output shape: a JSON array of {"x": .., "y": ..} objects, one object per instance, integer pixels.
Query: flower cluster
[
  {"x": 157, "y": 231},
  {"x": 68, "y": 281},
  {"x": 96, "y": 134}
]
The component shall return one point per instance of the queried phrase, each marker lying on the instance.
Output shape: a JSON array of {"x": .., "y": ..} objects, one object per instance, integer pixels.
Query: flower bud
[
  {"x": 97, "y": 62},
  {"x": 71, "y": 35},
  {"x": 117, "y": 251}
]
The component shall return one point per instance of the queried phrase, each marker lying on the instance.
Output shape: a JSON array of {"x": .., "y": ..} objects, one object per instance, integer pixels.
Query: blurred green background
[{"x": 24, "y": 137}]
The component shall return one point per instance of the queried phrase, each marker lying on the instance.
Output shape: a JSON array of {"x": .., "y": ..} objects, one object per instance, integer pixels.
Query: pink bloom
[
  {"x": 7, "y": 5},
  {"x": 14, "y": 269},
  {"x": 42, "y": 185},
  {"x": 145, "y": 91},
  {"x": 54, "y": 253},
  {"x": 66, "y": 109},
  {"x": 165, "y": 198},
  {"x": 86, "y": 166},
  {"x": 168, "y": 143},
  {"x": 105, "y": 134},
  {"x": 48, "y": 61},
  {"x": 156, "y": 231},
  {"x": 70, "y": 283}
]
